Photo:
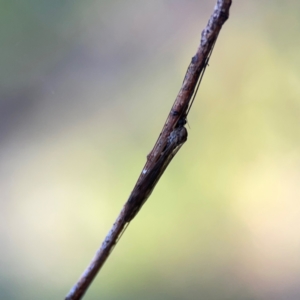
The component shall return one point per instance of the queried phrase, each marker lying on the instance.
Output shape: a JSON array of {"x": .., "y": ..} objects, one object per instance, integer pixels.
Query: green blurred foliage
[{"x": 85, "y": 88}]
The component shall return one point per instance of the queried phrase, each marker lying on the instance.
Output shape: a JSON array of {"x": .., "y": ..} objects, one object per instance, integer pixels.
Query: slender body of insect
[{"x": 144, "y": 187}]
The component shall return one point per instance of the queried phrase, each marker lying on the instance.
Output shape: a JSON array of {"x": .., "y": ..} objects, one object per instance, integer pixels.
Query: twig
[{"x": 171, "y": 138}]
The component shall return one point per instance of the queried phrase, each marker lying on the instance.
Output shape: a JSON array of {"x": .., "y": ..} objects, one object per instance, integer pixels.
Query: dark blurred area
[{"x": 85, "y": 87}]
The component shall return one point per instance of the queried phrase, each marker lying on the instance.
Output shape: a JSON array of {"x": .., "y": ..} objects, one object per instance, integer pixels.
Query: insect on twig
[{"x": 170, "y": 140}]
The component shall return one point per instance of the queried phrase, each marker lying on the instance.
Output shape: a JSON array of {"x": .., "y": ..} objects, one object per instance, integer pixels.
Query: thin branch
[{"x": 171, "y": 138}]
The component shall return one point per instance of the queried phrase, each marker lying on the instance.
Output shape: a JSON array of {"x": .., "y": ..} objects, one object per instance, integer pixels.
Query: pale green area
[{"x": 85, "y": 87}]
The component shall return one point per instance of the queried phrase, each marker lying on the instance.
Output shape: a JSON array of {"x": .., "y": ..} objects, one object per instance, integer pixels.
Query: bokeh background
[{"x": 85, "y": 87}]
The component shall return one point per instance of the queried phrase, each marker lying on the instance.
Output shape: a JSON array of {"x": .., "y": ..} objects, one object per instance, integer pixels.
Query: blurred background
[{"x": 85, "y": 87}]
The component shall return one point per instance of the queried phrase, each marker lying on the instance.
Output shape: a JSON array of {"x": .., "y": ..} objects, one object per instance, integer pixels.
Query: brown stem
[{"x": 171, "y": 138}]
